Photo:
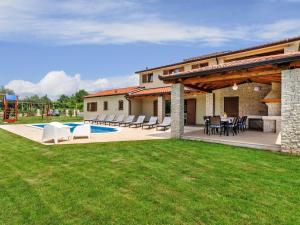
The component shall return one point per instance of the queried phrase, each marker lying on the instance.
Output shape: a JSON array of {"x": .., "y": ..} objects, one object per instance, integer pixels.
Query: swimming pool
[{"x": 95, "y": 129}]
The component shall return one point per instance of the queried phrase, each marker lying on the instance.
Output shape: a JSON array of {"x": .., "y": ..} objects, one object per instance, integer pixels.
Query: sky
[{"x": 57, "y": 47}]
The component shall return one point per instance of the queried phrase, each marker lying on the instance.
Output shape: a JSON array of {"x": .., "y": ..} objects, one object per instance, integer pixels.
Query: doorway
[
  {"x": 231, "y": 106},
  {"x": 190, "y": 111},
  {"x": 155, "y": 108}
]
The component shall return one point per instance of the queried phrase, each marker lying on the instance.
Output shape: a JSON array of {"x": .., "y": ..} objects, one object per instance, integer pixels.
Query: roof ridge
[{"x": 267, "y": 44}]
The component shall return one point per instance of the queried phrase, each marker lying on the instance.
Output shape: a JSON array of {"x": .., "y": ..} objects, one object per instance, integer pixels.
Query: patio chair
[
  {"x": 56, "y": 131},
  {"x": 242, "y": 124},
  {"x": 206, "y": 124},
  {"x": 216, "y": 125},
  {"x": 152, "y": 122},
  {"x": 101, "y": 119},
  {"x": 128, "y": 121},
  {"x": 117, "y": 120},
  {"x": 138, "y": 123},
  {"x": 93, "y": 120},
  {"x": 82, "y": 131},
  {"x": 233, "y": 127},
  {"x": 109, "y": 119},
  {"x": 165, "y": 124}
]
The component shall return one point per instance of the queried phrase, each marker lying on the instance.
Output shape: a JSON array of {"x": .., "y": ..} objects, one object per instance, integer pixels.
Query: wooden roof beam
[{"x": 230, "y": 76}]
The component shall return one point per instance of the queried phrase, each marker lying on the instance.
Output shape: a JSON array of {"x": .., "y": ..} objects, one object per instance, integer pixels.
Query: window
[
  {"x": 172, "y": 71},
  {"x": 105, "y": 105},
  {"x": 92, "y": 106},
  {"x": 168, "y": 107},
  {"x": 147, "y": 78},
  {"x": 199, "y": 65},
  {"x": 121, "y": 105}
]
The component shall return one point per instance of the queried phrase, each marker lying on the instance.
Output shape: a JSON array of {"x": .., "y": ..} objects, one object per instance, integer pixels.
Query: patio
[
  {"x": 248, "y": 138},
  {"x": 281, "y": 72}
]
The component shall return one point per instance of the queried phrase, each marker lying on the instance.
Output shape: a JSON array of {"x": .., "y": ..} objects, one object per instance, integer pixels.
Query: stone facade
[
  {"x": 160, "y": 108},
  {"x": 249, "y": 100},
  {"x": 177, "y": 110},
  {"x": 290, "y": 111},
  {"x": 209, "y": 104}
]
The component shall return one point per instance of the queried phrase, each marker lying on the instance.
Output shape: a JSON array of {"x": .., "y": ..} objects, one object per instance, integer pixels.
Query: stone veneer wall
[
  {"x": 290, "y": 111},
  {"x": 177, "y": 110},
  {"x": 249, "y": 100}
]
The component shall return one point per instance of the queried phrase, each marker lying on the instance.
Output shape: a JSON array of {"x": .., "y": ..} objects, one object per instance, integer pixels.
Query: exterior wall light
[
  {"x": 235, "y": 87},
  {"x": 257, "y": 88}
]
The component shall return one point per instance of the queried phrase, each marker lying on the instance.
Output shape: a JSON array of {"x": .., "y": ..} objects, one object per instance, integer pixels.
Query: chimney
[{"x": 273, "y": 100}]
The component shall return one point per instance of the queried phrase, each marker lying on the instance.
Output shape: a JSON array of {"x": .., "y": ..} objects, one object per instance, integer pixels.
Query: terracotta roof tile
[
  {"x": 118, "y": 91},
  {"x": 158, "y": 91},
  {"x": 283, "y": 41},
  {"x": 151, "y": 91},
  {"x": 242, "y": 62}
]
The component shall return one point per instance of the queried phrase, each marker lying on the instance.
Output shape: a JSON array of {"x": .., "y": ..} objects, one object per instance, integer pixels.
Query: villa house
[{"x": 261, "y": 82}]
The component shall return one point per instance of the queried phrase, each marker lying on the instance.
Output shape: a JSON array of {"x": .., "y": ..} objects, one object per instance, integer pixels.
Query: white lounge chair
[
  {"x": 128, "y": 121},
  {"x": 101, "y": 119},
  {"x": 109, "y": 119},
  {"x": 138, "y": 123},
  {"x": 82, "y": 131},
  {"x": 93, "y": 120},
  {"x": 56, "y": 131},
  {"x": 165, "y": 124},
  {"x": 152, "y": 122},
  {"x": 117, "y": 120}
]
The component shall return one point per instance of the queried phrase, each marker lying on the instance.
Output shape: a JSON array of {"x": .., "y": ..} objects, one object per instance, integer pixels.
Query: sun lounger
[
  {"x": 93, "y": 120},
  {"x": 82, "y": 131},
  {"x": 109, "y": 119},
  {"x": 165, "y": 124},
  {"x": 152, "y": 122},
  {"x": 140, "y": 120},
  {"x": 117, "y": 120},
  {"x": 128, "y": 121},
  {"x": 101, "y": 119},
  {"x": 56, "y": 131}
]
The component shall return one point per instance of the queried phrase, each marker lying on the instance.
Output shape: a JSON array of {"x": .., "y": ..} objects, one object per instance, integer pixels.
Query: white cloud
[
  {"x": 118, "y": 22},
  {"x": 56, "y": 83},
  {"x": 99, "y": 22},
  {"x": 280, "y": 29}
]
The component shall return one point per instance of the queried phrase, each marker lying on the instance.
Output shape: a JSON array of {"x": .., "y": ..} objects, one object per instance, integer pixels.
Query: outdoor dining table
[{"x": 225, "y": 121}]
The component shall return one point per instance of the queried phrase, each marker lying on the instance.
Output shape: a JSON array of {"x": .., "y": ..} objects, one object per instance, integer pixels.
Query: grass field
[
  {"x": 39, "y": 119},
  {"x": 145, "y": 182}
]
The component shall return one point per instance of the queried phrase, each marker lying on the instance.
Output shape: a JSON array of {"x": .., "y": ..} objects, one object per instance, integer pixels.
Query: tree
[
  {"x": 71, "y": 102},
  {"x": 79, "y": 95},
  {"x": 4, "y": 91}
]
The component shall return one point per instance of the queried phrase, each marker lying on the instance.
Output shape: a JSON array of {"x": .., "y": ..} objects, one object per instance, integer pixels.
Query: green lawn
[
  {"x": 145, "y": 182},
  {"x": 39, "y": 119}
]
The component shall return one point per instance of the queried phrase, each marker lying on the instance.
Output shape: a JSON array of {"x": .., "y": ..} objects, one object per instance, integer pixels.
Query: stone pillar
[
  {"x": 74, "y": 112},
  {"x": 38, "y": 112},
  {"x": 160, "y": 108},
  {"x": 67, "y": 112},
  {"x": 290, "y": 111},
  {"x": 177, "y": 110},
  {"x": 209, "y": 111}
]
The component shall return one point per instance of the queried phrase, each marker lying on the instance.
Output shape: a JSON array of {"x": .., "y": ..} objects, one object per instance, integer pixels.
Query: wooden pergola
[{"x": 281, "y": 68}]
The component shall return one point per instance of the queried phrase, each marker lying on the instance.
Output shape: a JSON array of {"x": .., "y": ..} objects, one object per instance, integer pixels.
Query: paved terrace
[
  {"x": 124, "y": 134},
  {"x": 252, "y": 139}
]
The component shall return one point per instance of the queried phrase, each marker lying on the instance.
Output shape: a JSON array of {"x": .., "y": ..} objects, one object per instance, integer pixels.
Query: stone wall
[
  {"x": 177, "y": 110},
  {"x": 249, "y": 100},
  {"x": 290, "y": 111}
]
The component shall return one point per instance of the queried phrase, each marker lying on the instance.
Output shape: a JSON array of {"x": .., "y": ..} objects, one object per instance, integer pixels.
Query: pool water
[{"x": 94, "y": 129}]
